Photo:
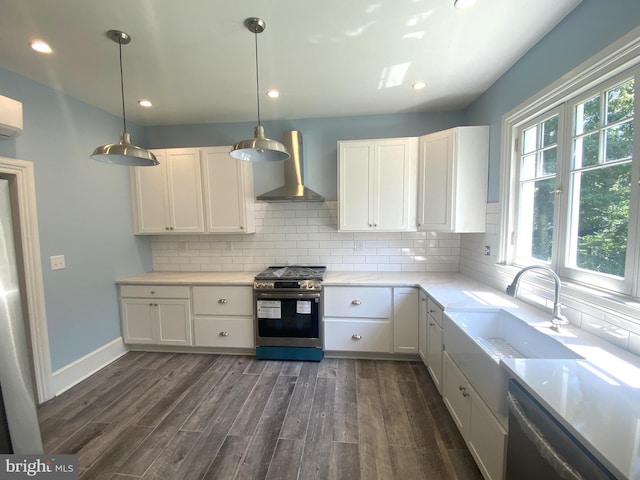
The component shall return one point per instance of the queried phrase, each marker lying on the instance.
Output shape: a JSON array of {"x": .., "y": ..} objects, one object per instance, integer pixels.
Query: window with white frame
[{"x": 573, "y": 192}]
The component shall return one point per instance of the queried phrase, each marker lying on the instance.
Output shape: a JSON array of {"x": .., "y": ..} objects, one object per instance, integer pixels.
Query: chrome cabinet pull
[
  {"x": 356, "y": 302},
  {"x": 224, "y": 334},
  {"x": 153, "y": 292},
  {"x": 222, "y": 300},
  {"x": 355, "y": 336}
]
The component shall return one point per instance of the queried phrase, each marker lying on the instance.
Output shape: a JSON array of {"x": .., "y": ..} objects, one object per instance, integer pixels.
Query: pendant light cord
[
  {"x": 255, "y": 34},
  {"x": 124, "y": 117}
]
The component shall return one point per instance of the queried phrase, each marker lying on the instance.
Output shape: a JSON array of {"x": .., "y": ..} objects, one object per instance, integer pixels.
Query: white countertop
[
  {"x": 600, "y": 410},
  {"x": 196, "y": 278}
]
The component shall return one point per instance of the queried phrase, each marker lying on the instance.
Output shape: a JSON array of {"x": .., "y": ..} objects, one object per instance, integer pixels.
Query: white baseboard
[{"x": 73, "y": 373}]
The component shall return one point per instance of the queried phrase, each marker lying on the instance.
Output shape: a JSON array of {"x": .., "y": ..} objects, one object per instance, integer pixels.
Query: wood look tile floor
[{"x": 203, "y": 417}]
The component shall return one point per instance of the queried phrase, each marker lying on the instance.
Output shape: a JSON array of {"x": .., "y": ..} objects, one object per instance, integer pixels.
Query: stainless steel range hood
[{"x": 293, "y": 189}]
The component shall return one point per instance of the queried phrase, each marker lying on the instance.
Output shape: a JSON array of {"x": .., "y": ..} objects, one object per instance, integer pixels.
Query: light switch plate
[{"x": 57, "y": 262}]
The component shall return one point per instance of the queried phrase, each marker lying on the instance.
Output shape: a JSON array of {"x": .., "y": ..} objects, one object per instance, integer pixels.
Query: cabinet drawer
[
  {"x": 357, "y": 335},
  {"x": 228, "y": 300},
  {"x": 358, "y": 302},
  {"x": 154, "y": 291},
  {"x": 435, "y": 311},
  {"x": 223, "y": 332}
]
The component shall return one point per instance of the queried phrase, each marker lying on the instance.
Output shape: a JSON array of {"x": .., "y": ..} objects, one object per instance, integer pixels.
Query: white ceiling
[{"x": 194, "y": 59}]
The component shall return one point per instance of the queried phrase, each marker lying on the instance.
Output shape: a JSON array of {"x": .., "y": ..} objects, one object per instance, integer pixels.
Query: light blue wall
[
  {"x": 84, "y": 212},
  {"x": 320, "y": 137},
  {"x": 592, "y": 26}
]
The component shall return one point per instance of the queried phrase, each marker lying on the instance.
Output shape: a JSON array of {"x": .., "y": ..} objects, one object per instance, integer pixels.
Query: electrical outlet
[
  {"x": 487, "y": 250},
  {"x": 57, "y": 262},
  {"x": 358, "y": 246}
]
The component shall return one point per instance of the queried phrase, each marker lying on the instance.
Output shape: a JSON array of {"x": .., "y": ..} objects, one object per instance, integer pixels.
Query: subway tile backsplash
[{"x": 306, "y": 233}]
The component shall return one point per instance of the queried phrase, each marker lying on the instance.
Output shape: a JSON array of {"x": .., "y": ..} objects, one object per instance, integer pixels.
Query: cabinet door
[
  {"x": 422, "y": 327},
  {"x": 405, "y": 320},
  {"x": 355, "y": 185},
  {"x": 173, "y": 319},
  {"x": 487, "y": 439},
  {"x": 434, "y": 352},
  {"x": 358, "y": 302},
  {"x": 362, "y": 335},
  {"x": 184, "y": 186},
  {"x": 228, "y": 192},
  {"x": 149, "y": 195},
  {"x": 138, "y": 320},
  {"x": 456, "y": 394},
  {"x": 230, "y": 332},
  {"x": 392, "y": 199},
  {"x": 435, "y": 181}
]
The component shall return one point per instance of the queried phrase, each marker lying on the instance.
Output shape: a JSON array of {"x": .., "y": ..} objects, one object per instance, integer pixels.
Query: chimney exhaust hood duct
[{"x": 293, "y": 189}]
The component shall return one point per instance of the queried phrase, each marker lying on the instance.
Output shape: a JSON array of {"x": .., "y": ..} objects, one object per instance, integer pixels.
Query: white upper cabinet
[
  {"x": 377, "y": 184},
  {"x": 168, "y": 198},
  {"x": 452, "y": 180},
  {"x": 228, "y": 192}
]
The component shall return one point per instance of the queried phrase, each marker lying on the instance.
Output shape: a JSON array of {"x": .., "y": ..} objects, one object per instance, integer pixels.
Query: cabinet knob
[
  {"x": 375, "y": 224},
  {"x": 355, "y": 302},
  {"x": 151, "y": 304},
  {"x": 241, "y": 227},
  {"x": 432, "y": 324},
  {"x": 166, "y": 228},
  {"x": 170, "y": 228},
  {"x": 224, "y": 334},
  {"x": 431, "y": 310},
  {"x": 461, "y": 388},
  {"x": 355, "y": 336},
  {"x": 423, "y": 299},
  {"x": 153, "y": 292},
  {"x": 222, "y": 300}
]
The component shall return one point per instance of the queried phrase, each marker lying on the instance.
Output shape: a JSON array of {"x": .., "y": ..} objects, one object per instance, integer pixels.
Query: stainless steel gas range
[{"x": 288, "y": 313}]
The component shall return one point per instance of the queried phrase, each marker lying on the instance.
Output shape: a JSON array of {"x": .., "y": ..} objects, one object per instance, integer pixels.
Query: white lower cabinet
[
  {"x": 223, "y": 316},
  {"x": 422, "y": 327},
  {"x": 483, "y": 434},
  {"x": 357, "y": 335},
  {"x": 405, "y": 320},
  {"x": 156, "y": 315},
  {"x": 358, "y": 319},
  {"x": 434, "y": 342}
]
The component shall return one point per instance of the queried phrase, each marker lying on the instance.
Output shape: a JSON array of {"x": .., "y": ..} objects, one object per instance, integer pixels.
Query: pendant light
[
  {"x": 259, "y": 148},
  {"x": 124, "y": 152}
]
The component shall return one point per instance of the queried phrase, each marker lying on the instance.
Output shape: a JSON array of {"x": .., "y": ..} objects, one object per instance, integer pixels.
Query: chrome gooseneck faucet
[{"x": 558, "y": 319}]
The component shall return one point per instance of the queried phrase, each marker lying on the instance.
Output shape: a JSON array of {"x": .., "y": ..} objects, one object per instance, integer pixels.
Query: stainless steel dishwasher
[{"x": 540, "y": 448}]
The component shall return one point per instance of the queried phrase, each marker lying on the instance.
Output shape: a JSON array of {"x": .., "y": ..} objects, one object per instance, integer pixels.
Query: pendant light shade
[
  {"x": 259, "y": 148},
  {"x": 124, "y": 152}
]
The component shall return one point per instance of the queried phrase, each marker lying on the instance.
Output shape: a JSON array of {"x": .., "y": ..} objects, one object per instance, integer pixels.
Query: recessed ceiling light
[
  {"x": 419, "y": 85},
  {"x": 40, "y": 46},
  {"x": 462, "y": 4},
  {"x": 145, "y": 103},
  {"x": 273, "y": 93}
]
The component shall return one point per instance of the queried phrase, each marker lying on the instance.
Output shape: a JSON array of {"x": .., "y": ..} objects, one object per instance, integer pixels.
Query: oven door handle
[{"x": 287, "y": 296}]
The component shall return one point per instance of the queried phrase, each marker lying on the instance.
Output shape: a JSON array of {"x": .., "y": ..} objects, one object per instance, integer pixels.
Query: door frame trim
[{"x": 22, "y": 173}]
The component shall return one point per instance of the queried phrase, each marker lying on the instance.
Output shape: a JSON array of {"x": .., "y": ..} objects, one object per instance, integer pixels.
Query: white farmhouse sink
[{"x": 477, "y": 339}]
